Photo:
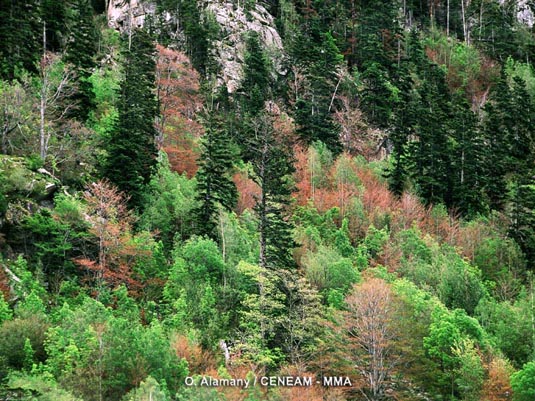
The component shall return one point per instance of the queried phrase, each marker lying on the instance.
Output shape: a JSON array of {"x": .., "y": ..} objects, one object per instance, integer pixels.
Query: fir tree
[
  {"x": 313, "y": 107},
  {"x": 55, "y": 16},
  {"x": 495, "y": 163},
  {"x": 81, "y": 50},
  {"x": 21, "y": 35},
  {"x": 467, "y": 158},
  {"x": 272, "y": 172},
  {"x": 214, "y": 180},
  {"x": 131, "y": 148},
  {"x": 255, "y": 85}
]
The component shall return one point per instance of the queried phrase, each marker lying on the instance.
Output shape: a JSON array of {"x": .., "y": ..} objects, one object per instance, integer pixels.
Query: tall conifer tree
[
  {"x": 80, "y": 52},
  {"x": 131, "y": 148},
  {"x": 21, "y": 36},
  {"x": 214, "y": 180}
]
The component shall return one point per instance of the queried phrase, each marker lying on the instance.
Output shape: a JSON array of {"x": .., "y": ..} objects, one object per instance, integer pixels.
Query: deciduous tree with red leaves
[
  {"x": 110, "y": 228},
  {"x": 178, "y": 86}
]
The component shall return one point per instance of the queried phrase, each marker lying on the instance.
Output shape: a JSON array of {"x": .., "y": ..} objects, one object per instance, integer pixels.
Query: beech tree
[
  {"x": 110, "y": 225},
  {"x": 371, "y": 332}
]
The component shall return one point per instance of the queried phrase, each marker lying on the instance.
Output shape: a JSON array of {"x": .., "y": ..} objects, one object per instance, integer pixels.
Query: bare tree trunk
[
  {"x": 129, "y": 24},
  {"x": 465, "y": 27},
  {"x": 42, "y": 106},
  {"x": 448, "y": 18}
]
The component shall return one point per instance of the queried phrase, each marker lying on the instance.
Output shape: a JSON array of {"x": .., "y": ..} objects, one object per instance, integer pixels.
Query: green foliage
[
  {"x": 262, "y": 309},
  {"x": 81, "y": 51},
  {"x": 97, "y": 353},
  {"x": 524, "y": 71},
  {"x": 105, "y": 84},
  {"x": 507, "y": 323},
  {"x": 523, "y": 382},
  {"x": 5, "y": 311},
  {"x": 21, "y": 37},
  {"x": 326, "y": 269},
  {"x": 375, "y": 240},
  {"x": 40, "y": 387},
  {"x": 451, "y": 341},
  {"x": 194, "y": 288},
  {"x": 256, "y": 80},
  {"x": 148, "y": 390},
  {"x": 14, "y": 335},
  {"x": 470, "y": 373},
  {"x": 169, "y": 203}
]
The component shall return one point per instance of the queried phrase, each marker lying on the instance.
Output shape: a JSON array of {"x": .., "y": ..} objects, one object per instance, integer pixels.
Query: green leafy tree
[
  {"x": 523, "y": 382},
  {"x": 168, "y": 205}
]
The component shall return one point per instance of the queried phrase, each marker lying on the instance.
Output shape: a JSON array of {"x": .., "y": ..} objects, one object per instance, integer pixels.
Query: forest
[{"x": 196, "y": 192}]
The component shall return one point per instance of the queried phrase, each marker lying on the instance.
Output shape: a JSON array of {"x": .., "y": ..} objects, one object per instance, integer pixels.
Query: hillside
[{"x": 291, "y": 200}]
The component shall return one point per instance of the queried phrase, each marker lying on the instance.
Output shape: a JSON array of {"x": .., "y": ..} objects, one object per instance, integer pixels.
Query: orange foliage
[
  {"x": 302, "y": 176},
  {"x": 248, "y": 191},
  {"x": 377, "y": 199},
  {"x": 379, "y": 206},
  {"x": 4, "y": 284},
  {"x": 178, "y": 94},
  {"x": 497, "y": 387},
  {"x": 298, "y": 393},
  {"x": 199, "y": 360},
  {"x": 110, "y": 225}
]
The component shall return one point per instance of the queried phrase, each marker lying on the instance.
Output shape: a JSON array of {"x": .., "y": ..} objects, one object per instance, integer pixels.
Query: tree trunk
[{"x": 42, "y": 105}]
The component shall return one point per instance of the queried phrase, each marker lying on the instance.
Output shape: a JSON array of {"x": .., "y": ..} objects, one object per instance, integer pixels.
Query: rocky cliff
[{"x": 233, "y": 21}]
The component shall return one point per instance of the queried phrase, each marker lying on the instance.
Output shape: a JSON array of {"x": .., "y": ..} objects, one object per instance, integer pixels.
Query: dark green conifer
[
  {"x": 21, "y": 36},
  {"x": 215, "y": 187},
  {"x": 273, "y": 170},
  {"x": 54, "y": 13},
  {"x": 255, "y": 85},
  {"x": 131, "y": 148},
  {"x": 467, "y": 158},
  {"x": 80, "y": 52},
  {"x": 313, "y": 109}
]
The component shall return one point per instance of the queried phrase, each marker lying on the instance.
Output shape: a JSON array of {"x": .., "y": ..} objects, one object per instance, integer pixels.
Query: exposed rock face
[
  {"x": 525, "y": 13},
  {"x": 119, "y": 15},
  {"x": 234, "y": 22},
  {"x": 230, "y": 48}
]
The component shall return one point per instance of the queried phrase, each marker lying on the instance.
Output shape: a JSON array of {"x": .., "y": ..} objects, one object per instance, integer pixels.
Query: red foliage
[
  {"x": 377, "y": 199},
  {"x": 248, "y": 191},
  {"x": 178, "y": 94},
  {"x": 199, "y": 360},
  {"x": 110, "y": 225},
  {"x": 302, "y": 176},
  {"x": 4, "y": 284},
  {"x": 497, "y": 387}
]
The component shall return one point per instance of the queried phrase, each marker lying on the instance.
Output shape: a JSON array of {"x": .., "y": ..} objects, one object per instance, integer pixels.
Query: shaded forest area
[{"x": 349, "y": 192}]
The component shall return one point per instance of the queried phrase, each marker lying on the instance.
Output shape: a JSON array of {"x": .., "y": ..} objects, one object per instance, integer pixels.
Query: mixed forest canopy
[{"x": 240, "y": 188}]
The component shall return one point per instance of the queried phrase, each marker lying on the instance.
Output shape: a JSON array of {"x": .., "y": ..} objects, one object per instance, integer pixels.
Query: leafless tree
[{"x": 369, "y": 323}]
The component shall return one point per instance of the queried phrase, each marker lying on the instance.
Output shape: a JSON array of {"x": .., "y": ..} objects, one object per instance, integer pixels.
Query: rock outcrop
[
  {"x": 234, "y": 22},
  {"x": 119, "y": 13},
  {"x": 229, "y": 50}
]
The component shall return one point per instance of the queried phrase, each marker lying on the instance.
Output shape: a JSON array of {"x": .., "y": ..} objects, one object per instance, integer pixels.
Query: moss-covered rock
[{"x": 22, "y": 189}]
